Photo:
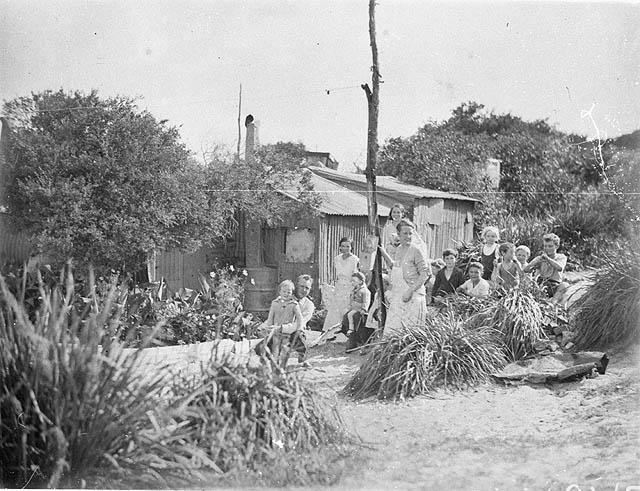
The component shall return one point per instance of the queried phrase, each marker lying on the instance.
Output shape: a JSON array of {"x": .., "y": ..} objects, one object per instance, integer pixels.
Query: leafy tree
[
  {"x": 539, "y": 164},
  {"x": 101, "y": 182}
]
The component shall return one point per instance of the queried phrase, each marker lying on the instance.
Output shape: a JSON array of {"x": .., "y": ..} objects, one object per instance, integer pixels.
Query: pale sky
[{"x": 186, "y": 60}]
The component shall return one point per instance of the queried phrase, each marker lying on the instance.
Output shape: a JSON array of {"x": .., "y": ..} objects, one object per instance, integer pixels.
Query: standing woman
[
  {"x": 390, "y": 230},
  {"x": 409, "y": 271},
  {"x": 344, "y": 265}
]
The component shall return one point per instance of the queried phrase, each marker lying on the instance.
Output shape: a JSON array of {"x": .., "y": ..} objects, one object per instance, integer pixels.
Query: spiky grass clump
[
  {"x": 443, "y": 352},
  {"x": 232, "y": 418},
  {"x": 65, "y": 404},
  {"x": 609, "y": 313},
  {"x": 519, "y": 317}
]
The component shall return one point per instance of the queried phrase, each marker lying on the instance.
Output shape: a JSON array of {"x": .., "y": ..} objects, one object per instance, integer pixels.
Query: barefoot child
[
  {"x": 475, "y": 286},
  {"x": 507, "y": 273}
]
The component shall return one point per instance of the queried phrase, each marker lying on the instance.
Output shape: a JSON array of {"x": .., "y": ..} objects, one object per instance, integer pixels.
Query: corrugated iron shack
[{"x": 443, "y": 219}]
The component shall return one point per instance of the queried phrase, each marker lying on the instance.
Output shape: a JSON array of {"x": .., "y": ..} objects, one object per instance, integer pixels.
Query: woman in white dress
[
  {"x": 390, "y": 232},
  {"x": 337, "y": 303},
  {"x": 409, "y": 272}
]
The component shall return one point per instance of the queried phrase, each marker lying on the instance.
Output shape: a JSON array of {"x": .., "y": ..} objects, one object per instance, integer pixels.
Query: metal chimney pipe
[{"x": 251, "y": 140}]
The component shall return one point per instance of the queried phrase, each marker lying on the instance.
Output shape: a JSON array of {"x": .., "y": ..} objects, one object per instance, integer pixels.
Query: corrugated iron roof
[
  {"x": 338, "y": 200},
  {"x": 386, "y": 184}
]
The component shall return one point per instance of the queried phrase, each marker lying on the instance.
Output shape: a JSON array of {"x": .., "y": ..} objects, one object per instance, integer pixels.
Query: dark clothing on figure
[
  {"x": 487, "y": 263},
  {"x": 443, "y": 286},
  {"x": 360, "y": 334}
]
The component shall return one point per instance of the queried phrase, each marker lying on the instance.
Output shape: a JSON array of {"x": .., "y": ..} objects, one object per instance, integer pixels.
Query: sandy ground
[{"x": 494, "y": 437}]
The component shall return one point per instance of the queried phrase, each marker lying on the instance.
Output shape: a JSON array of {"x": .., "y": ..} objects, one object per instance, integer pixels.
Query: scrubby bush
[{"x": 609, "y": 313}]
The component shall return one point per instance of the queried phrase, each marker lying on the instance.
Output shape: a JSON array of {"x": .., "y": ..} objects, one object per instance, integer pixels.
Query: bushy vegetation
[
  {"x": 102, "y": 182},
  {"x": 444, "y": 352},
  {"x": 69, "y": 396},
  {"x": 212, "y": 311},
  {"x": 582, "y": 191},
  {"x": 464, "y": 342},
  {"x": 609, "y": 313},
  {"x": 73, "y": 400}
]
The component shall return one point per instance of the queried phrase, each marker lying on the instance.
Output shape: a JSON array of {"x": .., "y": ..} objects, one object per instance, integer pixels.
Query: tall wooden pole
[
  {"x": 239, "y": 125},
  {"x": 372, "y": 154}
]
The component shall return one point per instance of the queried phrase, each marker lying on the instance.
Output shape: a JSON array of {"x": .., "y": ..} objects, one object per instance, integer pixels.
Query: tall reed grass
[
  {"x": 245, "y": 417},
  {"x": 609, "y": 313},
  {"x": 66, "y": 404},
  {"x": 443, "y": 352},
  {"x": 74, "y": 402}
]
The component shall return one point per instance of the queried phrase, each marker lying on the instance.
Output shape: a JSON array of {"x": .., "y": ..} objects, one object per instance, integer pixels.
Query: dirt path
[{"x": 494, "y": 437}]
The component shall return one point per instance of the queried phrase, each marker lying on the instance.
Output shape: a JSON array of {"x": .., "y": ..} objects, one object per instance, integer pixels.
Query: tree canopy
[
  {"x": 101, "y": 182},
  {"x": 537, "y": 160}
]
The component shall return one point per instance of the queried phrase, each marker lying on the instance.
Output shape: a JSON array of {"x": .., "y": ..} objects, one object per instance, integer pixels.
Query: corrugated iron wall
[
  {"x": 332, "y": 229},
  {"x": 444, "y": 223}
]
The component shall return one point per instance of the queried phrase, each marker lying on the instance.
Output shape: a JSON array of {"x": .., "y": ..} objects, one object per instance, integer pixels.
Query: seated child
[
  {"x": 449, "y": 278},
  {"x": 359, "y": 300},
  {"x": 475, "y": 286},
  {"x": 284, "y": 320},
  {"x": 522, "y": 254},
  {"x": 436, "y": 266},
  {"x": 507, "y": 273},
  {"x": 550, "y": 264}
]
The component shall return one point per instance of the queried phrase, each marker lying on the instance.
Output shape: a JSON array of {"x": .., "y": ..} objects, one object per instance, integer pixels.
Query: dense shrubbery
[
  {"x": 72, "y": 399},
  {"x": 213, "y": 311}
]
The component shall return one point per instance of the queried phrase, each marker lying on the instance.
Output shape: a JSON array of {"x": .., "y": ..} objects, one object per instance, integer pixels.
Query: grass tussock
[
  {"x": 609, "y": 313},
  {"x": 247, "y": 417},
  {"x": 66, "y": 403},
  {"x": 444, "y": 352},
  {"x": 74, "y": 403},
  {"x": 519, "y": 317}
]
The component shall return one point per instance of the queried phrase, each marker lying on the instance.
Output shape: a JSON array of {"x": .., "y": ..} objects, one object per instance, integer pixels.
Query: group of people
[
  {"x": 501, "y": 266},
  {"x": 410, "y": 282}
]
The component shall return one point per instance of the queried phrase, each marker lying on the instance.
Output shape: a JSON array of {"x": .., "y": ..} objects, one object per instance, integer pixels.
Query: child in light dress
[{"x": 475, "y": 286}]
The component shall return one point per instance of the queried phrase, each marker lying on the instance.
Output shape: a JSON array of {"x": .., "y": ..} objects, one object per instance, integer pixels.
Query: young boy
[
  {"x": 522, "y": 254},
  {"x": 550, "y": 264},
  {"x": 475, "y": 286},
  {"x": 507, "y": 273},
  {"x": 359, "y": 302}
]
